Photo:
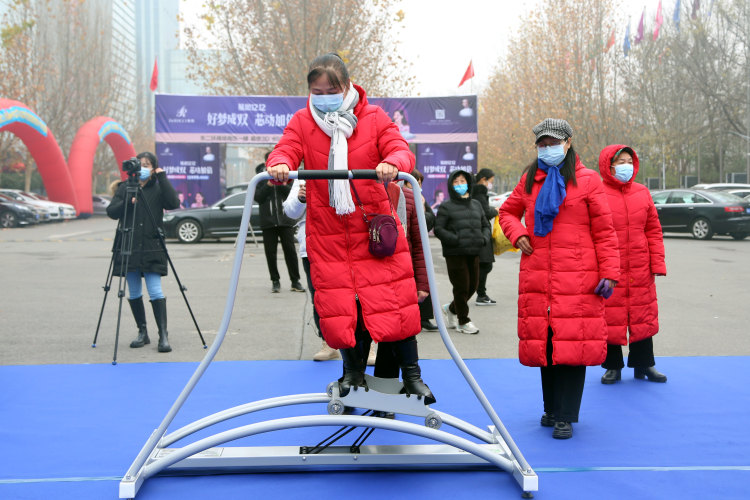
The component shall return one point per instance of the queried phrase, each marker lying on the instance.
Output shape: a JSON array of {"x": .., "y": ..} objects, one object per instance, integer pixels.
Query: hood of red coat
[{"x": 605, "y": 162}]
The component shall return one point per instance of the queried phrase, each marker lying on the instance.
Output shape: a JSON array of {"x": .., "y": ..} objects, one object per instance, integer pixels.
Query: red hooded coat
[
  {"x": 633, "y": 304},
  {"x": 342, "y": 268},
  {"x": 556, "y": 282}
]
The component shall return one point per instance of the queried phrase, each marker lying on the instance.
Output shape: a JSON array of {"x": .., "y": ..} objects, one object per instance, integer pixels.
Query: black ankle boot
[
  {"x": 139, "y": 313},
  {"x": 408, "y": 359},
  {"x": 354, "y": 370},
  {"x": 611, "y": 376},
  {"x": 650, "y": 373},
  {"x": 160, "y": 313}
]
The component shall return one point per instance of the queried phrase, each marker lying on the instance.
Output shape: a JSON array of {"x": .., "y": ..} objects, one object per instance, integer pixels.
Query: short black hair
[
  {"x": 150, "y": 157},
  {"x": 485, "y": 173},
  {"x": 332, "y": 66}
]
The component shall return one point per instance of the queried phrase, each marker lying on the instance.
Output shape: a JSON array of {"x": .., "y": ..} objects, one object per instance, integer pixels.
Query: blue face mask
[
  {"x": 461, "y": 189},
  {"x": 624, "y": 172},
  {"x": 327, "y": 102},
  {"x": 552, "y": 155},
  {"x": 145, "y": 173}
]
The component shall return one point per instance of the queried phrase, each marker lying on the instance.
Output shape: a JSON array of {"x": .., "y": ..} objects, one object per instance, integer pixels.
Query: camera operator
[{"x": 148, "y": 259}]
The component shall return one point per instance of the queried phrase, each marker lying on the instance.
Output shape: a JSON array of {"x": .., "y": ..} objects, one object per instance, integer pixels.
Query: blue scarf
[{"x": 549, "y": 199}]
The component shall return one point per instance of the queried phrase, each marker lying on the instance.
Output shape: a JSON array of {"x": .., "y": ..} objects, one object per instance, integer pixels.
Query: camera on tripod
[{"x": 132, "y": 167}]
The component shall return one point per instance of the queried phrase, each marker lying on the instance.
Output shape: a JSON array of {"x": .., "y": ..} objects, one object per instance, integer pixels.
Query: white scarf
[{"x": 339, "y": 126}]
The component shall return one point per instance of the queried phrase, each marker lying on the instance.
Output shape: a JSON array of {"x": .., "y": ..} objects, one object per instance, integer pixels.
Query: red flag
[
  {"x": 639, "y": 34},
  {"x": 611, "y": 41},
  {"x": 154, "y": 77},
  {"x": 469, "y": 73},
  {"x": 659, "y": 21}
]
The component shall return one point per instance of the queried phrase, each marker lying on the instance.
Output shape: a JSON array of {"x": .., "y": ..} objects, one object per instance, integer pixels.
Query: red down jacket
[
  {"x": 633, "y": 304},
  {"x": 556, "y": 282},
  {"x": 342, "y": 268}
]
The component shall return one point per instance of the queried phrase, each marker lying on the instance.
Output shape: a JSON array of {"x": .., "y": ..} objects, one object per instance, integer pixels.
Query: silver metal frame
[{"x": 497, "y": 448}]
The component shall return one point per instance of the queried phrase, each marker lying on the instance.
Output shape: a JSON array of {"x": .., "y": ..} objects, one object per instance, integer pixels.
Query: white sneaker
[
  {"x": 468, "y": 328},
  {"x": 451, "y": 320},
  {"x": 373, "y": 354},
  {"x": 326, "y": 353}
]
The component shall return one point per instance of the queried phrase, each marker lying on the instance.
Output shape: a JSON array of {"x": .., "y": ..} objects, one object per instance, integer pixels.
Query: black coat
[
  {"x": 270, "y": 205},
  {"x": 461, "y": 225},
  {"x": 479, "y": 193},
  {"x": 148, "y": 254}
]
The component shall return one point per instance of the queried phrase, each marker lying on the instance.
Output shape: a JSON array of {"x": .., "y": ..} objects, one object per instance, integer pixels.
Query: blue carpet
[{"x": 71, "y": 431}]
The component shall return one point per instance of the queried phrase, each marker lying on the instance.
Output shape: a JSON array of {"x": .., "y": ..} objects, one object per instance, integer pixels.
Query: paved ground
[{"x": 51, "y": 293}]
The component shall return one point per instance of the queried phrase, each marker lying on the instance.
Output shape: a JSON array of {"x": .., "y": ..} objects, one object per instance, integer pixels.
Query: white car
[
  {"x": 56, "y": 211},
  {"x": 496, "y": 200}
]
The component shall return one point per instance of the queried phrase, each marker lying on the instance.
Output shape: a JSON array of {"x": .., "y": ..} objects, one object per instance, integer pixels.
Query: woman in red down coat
[
  {"x": 633, "y": 305},
  {"x": 569, "y": 255},
  {"x": 358, "y": 297}
]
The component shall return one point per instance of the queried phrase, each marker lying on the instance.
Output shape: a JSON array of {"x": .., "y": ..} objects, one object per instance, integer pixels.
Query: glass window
[
  {"x": 725, "y": 197},
  {"x": 236, "y": 200},
  {"x": 680, "y": 197},
  {"x": 660, "y": 198},
  {"x": 699, "y": 198}
]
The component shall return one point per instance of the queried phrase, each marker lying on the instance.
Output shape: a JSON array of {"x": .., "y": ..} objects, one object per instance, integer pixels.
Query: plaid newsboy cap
[{"x": 553, "y": 127}]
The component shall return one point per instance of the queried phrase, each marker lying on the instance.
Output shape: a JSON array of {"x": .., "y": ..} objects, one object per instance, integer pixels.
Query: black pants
[
  {"x": 562, "y": 387},
  {"x": 316, "y": 317},
  {"x": 271, "y": 237},
  {"x": 484, "y": 269},
  {"x": 641, "y": 355},
  {"x": 463, "y": 272},
  {"x": 425, "y": 309}
]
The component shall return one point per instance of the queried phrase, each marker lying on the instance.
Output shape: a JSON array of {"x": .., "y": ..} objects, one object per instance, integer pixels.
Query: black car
[
  {"x": 14, "y": 213},
  {"x": 702, "y": 213},
  {"x": 222, "y": 219}
]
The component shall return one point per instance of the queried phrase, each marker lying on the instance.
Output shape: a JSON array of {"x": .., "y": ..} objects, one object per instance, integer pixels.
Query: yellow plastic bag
[{"x": 500, "y": 243}]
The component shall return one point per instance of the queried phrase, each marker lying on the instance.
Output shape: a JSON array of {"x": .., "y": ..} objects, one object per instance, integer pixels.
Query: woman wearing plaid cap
[{"x": 569, "y": 264}]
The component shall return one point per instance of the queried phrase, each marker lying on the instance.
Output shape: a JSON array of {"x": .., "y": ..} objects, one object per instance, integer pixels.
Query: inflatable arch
[
  {"x": 81, "y": 158},
  {"x": 16, "y": 118}
]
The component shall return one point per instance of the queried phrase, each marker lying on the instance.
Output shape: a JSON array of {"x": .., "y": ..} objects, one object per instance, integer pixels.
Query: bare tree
[{"x": 265, "y": 46}]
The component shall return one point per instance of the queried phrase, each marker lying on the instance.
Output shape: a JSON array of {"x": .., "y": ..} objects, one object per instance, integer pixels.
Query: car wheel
[
  {"x": 702, "y": 229},
  {"x": 189, "y": 231},
  {"x": 8, "y": 219},
  {"x": 739, "y": 236}
]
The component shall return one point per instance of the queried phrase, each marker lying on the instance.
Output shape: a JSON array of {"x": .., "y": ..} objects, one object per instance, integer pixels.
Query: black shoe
[
  {"x": 139, "y": 313},
  {"x": 429, "y": 325},
  {"x": 276, "y": 286},
  {"x": 547, "y": 420},
  {"x": 483, "y": 300},
  {"x": 650, "y": 373},
  {"x": 408, "y": 359},
  {"x": 297, "y": 286},
  {"x": 563, "y": 430},
  {"x": 611, "y": 376},
  {"x": 354, "y": 371},
  {"x": 160, "y": 314}
]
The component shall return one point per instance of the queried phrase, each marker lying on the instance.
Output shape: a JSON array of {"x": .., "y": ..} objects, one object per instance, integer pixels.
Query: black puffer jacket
[
  {"x": 270, "y": 205},
  {"x": 479, "y": 193},
  {"x": 461, "y": 225},
  {"x": 148, "y": 254}
]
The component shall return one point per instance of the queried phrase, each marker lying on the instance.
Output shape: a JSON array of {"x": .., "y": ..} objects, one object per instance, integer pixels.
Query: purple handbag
[{"x": 383, "y": 230}]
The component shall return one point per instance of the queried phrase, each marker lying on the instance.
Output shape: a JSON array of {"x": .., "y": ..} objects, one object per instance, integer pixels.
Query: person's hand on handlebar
[
  {"x": 279, "y": 173},
  {"x": 386, "y": 172}
]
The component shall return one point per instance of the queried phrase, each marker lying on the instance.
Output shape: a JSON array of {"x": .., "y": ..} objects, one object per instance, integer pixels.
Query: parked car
[
  {"x": 67, "y": 211},
  {"x": 722, "y": 186},
  {"x": 496, "y": 200},
  {"x": 52, "y": 213},
  {"x": 702, "y": 213},
  {"x": 15, "y": 214},
  {"x": 100, "y": 203},
  {"x": 222, "y": 219},
  {"x": 742, "y": 193}
]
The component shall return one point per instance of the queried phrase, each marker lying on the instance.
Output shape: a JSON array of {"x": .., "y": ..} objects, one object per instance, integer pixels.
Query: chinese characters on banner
[
  {"x": 195, "y": 171},
  {"x": 443, "y": 129}
]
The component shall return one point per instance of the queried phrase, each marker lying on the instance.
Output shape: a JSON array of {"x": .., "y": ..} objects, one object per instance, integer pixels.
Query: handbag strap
[{"x": 362, "y": 207}]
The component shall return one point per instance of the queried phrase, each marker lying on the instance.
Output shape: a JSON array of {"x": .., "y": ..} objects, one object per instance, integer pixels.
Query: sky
[{"x": 441, "y": 37}]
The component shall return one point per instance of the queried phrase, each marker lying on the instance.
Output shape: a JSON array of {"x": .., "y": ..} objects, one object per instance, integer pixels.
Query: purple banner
[
  {"x": 262, "y": 119},
  {"x": 437, "y": 161},
  {"x": 194, "y": 170},
  {"x": 254, "y": 119}
]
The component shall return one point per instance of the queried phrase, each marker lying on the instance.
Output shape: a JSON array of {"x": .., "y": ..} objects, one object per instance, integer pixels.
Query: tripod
[{"x": 123, "y": 246}]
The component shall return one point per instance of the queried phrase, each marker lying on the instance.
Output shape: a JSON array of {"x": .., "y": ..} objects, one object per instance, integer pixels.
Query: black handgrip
[{"x": 336, "y": 174}]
